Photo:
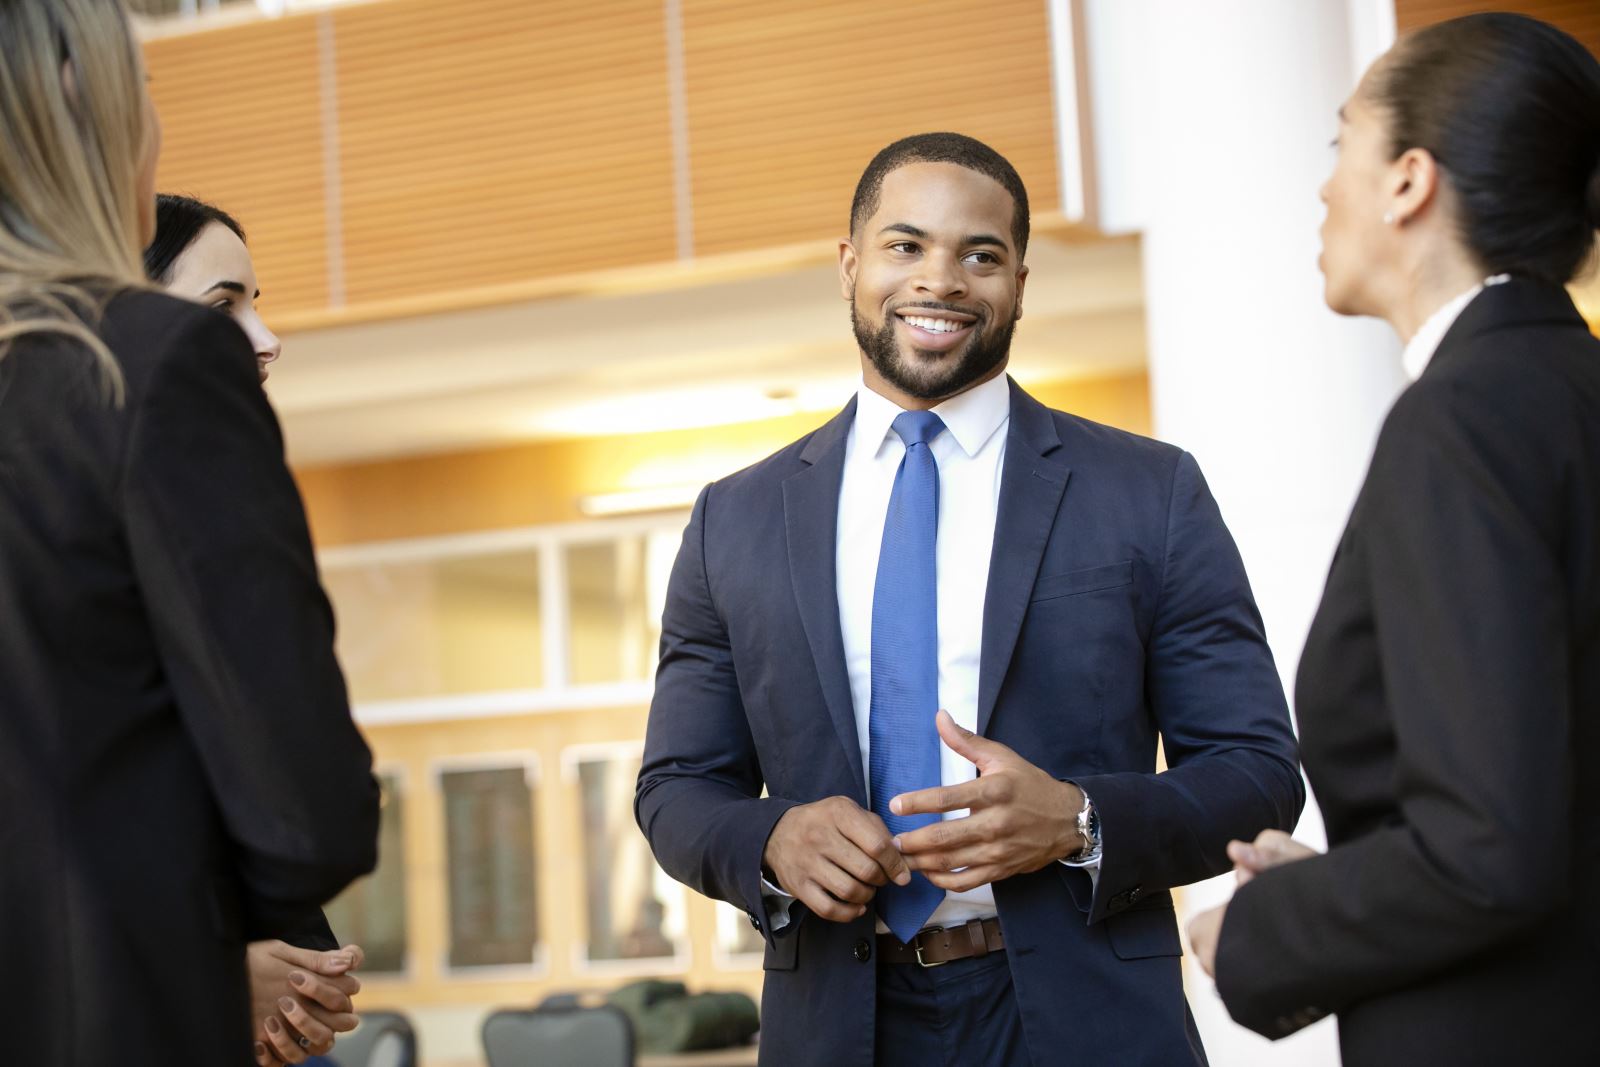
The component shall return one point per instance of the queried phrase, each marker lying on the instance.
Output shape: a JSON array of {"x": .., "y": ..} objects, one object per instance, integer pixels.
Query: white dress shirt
[
  {"x": 1420, "y": 349},
  {"x": 971, "y": 455}
]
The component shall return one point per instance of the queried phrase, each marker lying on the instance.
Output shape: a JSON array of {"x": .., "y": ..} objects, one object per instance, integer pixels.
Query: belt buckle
[{"x": 916, "y": 945}]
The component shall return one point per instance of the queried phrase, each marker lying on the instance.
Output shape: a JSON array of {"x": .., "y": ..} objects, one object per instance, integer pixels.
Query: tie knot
[{"x": 917, "y": 427}]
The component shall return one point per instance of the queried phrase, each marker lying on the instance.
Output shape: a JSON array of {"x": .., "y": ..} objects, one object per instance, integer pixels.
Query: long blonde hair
[{"x": 74, "y": 126}]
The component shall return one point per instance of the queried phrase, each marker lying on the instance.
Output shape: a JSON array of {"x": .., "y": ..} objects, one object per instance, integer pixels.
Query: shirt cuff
[{"x": 776, "y": 903}]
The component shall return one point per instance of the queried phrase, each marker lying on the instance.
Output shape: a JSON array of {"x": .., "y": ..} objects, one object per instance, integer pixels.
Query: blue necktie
[{"x": 904, "y": 741}]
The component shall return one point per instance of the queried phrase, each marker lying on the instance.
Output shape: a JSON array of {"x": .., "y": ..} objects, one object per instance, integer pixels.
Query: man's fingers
[
  {"x": 323, "y": 991},
  {"x": 331, "y": 962},
  {"x": 939, "y": 799},
  {"x": 843, "y": 885},
  {"x": 825, "y": 906},
  {"x": 962, "y": 881},
  {"x": 867, "y": 833},
  {"x": 357, "y": 956},
  {"x": 281, "y": 1041},
  {"x": 264, "y": 1056},
  {"x": 320, "y": 1038},
  {"x": 974, "y": 748}
]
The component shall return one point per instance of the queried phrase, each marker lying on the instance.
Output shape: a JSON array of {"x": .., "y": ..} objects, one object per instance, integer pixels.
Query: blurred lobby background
[{"x": 544, "y": 268}]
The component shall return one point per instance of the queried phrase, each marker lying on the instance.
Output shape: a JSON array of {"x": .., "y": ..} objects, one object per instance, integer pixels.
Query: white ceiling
[{"x": 712, "y": 353}]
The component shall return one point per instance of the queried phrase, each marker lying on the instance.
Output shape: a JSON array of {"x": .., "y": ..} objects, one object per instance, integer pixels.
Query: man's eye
[
  {"x": 983, "y": 257},
  {"x": 903, "y": 246}
]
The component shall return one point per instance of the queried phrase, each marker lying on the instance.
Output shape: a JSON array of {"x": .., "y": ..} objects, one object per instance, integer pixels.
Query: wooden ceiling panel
[
  {"x": 499, "y": 141},
  {"x": 241, "y": 119},
  {"x": 787, "y": 104},
  {"x": 1581, "y": 18}
]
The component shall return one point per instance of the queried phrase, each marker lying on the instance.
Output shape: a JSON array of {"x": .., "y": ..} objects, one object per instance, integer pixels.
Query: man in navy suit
[{"x": 944, "y": 634}]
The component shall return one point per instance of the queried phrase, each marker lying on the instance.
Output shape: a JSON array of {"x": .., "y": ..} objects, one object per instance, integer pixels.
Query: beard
[{"x": 936, "y": 375}]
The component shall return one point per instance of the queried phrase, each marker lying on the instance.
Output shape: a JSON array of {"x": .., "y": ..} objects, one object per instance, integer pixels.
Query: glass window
[
  {"x": 615, "y": 592},
  {"x": 489, "y": 849},
  {"x": 634, "y": 910},
  {"x": 735, "y": 935},
  {"x": 442, "y": 627},
  {"x": 372, "y": 911}
]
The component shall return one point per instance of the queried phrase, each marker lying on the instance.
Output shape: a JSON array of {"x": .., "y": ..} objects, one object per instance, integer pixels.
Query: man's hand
[
  {"x": 832, "y": 856},
  {"x": 1021, "y": 818},
  {"x": 1271, "y": 848},
  {"x": 1205, "y": 929},
  {"x": 299, "y": 993}
]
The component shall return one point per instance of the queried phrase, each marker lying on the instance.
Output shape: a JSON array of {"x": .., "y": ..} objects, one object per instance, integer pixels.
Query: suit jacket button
[
  {"x": 1135, "y": 893},
  {"x": 753, "y": 920},
  {"x": 862, "y": 950}
]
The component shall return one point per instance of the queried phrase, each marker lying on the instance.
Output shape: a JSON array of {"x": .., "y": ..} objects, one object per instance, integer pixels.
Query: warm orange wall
[{"x": 539, "y": 483}]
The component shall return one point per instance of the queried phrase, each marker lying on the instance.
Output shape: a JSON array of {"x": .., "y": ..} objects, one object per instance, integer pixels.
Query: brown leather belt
[{"x": 941, "y": 944}]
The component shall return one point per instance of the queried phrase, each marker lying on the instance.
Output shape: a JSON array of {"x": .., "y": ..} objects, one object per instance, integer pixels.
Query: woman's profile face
[
  {"x": 1355, "y": 239},
  {"x": 216, "y": 270}
]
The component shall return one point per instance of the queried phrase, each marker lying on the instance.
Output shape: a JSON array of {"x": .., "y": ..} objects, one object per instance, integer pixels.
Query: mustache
[{"x": 940, "y": 305}]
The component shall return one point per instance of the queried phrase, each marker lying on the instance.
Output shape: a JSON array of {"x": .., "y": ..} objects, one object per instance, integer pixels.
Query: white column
[{"x": 1212, "y": 126}]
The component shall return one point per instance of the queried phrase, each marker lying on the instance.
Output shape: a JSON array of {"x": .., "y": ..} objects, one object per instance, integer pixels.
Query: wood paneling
[
  {"x": 788, "y": 103},
  {"x": 482, "y": 145},
  {"x": 498, "y": 140},
  {"x": 1581, "y": 18},
  {"x": 241, "y": 124}
]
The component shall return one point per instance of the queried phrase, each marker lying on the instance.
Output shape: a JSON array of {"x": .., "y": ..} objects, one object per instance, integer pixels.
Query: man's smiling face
[{"x": 934, "y": 281}]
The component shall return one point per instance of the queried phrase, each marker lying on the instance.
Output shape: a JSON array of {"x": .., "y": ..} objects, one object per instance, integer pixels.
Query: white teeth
[{"x": 933, "y": 325}]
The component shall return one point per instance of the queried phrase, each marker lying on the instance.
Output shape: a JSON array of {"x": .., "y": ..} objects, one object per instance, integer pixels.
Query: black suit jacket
[
  {"x": 1117, "y": 613},
  {"x": 1449, "y": 699},
  {"x": 178, "y": 768}
]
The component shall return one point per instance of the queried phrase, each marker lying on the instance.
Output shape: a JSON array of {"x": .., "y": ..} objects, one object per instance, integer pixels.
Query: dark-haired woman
[
  {"x": 1449, "y": 691},
  {"x": 179, "y": 773},
  {"x": 199, "y": 253}
]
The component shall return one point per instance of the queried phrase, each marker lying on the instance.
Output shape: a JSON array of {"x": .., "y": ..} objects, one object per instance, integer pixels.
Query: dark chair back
[
  {"x": 384, "y": 1039},
  {"x": 558, "y": 1037}
]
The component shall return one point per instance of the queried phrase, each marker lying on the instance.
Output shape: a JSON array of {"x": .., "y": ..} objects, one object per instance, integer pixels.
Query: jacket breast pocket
[{"x": 1088, "y": 580}]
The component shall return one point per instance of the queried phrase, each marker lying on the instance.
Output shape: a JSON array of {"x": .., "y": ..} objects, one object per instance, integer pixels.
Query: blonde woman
[{"x": 178, "y": 769}]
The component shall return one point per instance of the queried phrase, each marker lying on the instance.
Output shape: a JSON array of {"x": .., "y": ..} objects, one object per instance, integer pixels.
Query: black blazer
[
  {"x": 1117, "y": 613},
  {"x": 1449, "y": 701},
  {"x": 178, "y": 768}
]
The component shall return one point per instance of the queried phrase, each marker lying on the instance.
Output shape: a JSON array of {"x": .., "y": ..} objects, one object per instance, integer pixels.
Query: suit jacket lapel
[
  {"x": 1031, "y": 486},
  {"x": 811, "y": 513}
]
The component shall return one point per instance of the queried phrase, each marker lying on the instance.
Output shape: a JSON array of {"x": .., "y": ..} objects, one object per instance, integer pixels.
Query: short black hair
[
  {"x": 1510, "y": 108},
  {"x": 179, "y": 220},
  {"x": 954, "y": 148}
]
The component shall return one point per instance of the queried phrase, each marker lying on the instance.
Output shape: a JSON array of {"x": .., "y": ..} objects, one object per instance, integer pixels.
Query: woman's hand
[
  {"x": 299, "y": 999},
  {"x": 1271, "y": 848}
]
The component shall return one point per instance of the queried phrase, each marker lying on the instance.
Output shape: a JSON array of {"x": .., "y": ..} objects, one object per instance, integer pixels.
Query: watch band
[{"x": 1088, "y": 829}]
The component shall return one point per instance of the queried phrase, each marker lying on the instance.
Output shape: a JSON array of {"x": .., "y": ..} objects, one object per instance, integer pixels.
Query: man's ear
[
  {"x": 848, "y": 265},
  {"x": 1022, "y": 282}
]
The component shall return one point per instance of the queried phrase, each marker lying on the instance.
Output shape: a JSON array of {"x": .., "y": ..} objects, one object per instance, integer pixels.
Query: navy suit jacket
[{"x": 1117, "y": 614}]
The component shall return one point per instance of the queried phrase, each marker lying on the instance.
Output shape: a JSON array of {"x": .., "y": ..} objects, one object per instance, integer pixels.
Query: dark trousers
[{"x": 962, "y": 1014}]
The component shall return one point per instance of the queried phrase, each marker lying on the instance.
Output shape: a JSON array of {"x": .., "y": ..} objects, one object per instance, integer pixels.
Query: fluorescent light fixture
[{"x": 637, "y": 501}]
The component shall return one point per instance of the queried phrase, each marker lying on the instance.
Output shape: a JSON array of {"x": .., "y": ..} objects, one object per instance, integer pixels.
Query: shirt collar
[
  {"x": 1420, "y": 349},
  {"x": 971, "y": 417}
]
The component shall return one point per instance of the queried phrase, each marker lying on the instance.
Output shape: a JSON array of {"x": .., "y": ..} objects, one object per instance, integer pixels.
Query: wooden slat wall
[
  {"x": 241, "y": 119},
  {"x": 788, "y": 103},
  {"x": 484, "y": 143},
  {"x": 1581, "y": 18},
  {"x": 500, "y": 140}
]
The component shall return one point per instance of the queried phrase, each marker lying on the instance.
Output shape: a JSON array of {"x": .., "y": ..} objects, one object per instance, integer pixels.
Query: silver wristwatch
[{"x": 1089, "y": 830}]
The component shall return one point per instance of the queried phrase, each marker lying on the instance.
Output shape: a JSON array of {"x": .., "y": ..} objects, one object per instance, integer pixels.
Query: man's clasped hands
[{"x": 832, "y": 855}]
